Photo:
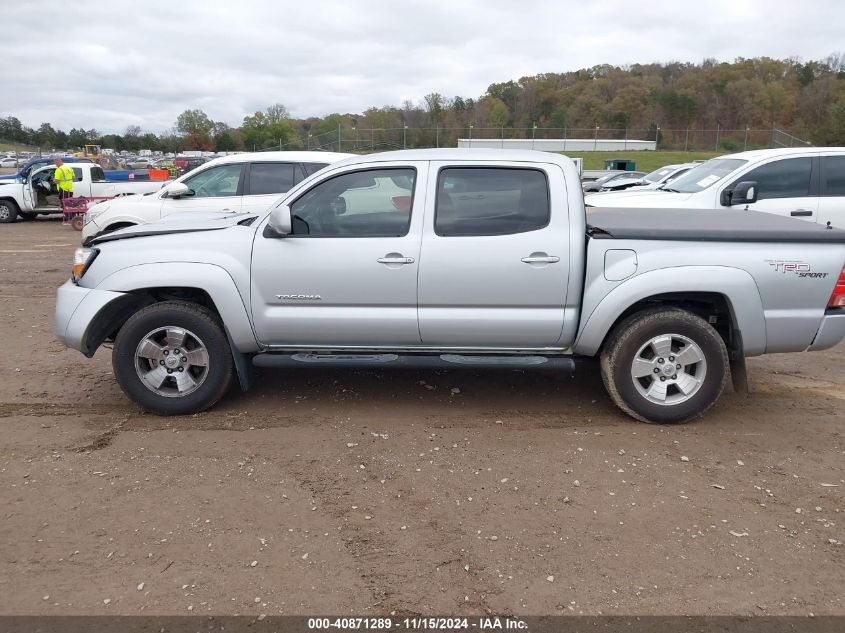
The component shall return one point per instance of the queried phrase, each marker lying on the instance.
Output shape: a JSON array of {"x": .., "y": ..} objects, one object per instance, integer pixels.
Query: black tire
[
  {"x": 201, "y": 323},
  {"x": 27, "y": 215},
  {"x": 8, "y": 211},
  {"x": 622, "y": 349}
]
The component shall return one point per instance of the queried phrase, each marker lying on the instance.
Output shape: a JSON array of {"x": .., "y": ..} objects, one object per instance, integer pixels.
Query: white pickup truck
[{"x": 36, "y": 194}]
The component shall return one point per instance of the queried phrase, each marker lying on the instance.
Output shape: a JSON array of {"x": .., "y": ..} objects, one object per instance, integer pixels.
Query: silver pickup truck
[{"x": 457, "y": 258}]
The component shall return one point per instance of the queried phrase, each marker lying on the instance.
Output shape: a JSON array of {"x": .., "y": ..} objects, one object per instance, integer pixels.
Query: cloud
[{"x": 106, "y": 65}]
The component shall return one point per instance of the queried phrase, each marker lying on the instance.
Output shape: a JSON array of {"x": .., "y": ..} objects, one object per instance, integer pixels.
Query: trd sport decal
[{"x": 799, "y": 269}]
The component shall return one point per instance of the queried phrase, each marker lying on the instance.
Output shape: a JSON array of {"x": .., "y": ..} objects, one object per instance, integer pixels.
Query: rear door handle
[
  {"x": 801, "y": 213},
  {"x": 395, "y": 260},
  {"x": 541, "y": 259}
]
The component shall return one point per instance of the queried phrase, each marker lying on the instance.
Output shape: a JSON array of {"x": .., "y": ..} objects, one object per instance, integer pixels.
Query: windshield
[
  {"x": 658, "y": 174},
  {"x": 706, "y": 174}
]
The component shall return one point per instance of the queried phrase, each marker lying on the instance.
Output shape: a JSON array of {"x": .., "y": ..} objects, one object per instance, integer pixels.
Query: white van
[{"x": 806, "y": 183}]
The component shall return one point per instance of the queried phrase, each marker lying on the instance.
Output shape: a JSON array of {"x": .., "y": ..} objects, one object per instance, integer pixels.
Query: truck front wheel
[
  {"x": 8, "y": 211},
  {"x": 665, "y": 365},
  {"x": 172, "y": 358}
]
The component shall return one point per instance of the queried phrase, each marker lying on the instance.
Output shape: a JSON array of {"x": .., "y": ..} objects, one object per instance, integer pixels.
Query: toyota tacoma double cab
[{"x": 456, "y": 258}]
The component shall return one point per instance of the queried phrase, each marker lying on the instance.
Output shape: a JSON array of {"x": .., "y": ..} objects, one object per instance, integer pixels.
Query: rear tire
[
  {"x": 8, "y": 211},
  {"x": 173, "y": 358},
  {"x": 664, "y": 365}
]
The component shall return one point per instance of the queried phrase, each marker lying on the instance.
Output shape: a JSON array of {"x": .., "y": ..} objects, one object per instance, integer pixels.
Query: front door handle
[
  {"x": 540, "y": 258},
  {"x": 395, "y": 259},
  {"x": 801, "y": 213}
]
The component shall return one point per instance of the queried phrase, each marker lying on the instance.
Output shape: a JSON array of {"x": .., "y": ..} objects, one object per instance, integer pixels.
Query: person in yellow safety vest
[{"x": 63, "y": 177}]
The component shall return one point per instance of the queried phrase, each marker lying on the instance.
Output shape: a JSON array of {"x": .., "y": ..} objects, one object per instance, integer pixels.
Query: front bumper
[
  {"x": 76, "y": 308},
  {"x": 831, "y": 331}
]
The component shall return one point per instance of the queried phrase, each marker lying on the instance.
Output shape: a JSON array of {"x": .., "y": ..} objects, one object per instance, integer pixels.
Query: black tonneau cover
[{"x": 704, "y": 225}]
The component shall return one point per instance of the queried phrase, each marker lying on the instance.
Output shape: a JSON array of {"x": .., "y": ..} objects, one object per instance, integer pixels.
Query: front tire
[
  {"x": 173, "y": 358},
  {"x": 8, "y": 211},
  {"x": 664, "y": 365}
]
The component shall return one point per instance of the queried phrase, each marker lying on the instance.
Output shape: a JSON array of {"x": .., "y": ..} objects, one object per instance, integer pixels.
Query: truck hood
[
  {"x": 649, "y": 198},
  {"x": 187, "y": 222}
]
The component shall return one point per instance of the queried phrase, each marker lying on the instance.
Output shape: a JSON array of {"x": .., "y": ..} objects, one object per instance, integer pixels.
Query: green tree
[{"x": 196, "y": 127}]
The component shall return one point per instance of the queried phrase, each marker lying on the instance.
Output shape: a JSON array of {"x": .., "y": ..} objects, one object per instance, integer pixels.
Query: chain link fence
[{"x": 365, "y": 140}]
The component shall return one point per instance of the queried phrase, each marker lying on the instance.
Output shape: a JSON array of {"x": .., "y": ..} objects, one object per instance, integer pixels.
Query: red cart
[{"x": 74, "y": 209}]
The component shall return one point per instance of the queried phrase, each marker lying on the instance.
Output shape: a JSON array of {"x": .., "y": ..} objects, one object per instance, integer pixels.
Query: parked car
[
  {"x": 8, "y": 161},
  {"x": 37, "y": 193},
  {"x": 653, "y": 180},
  {"x": 598, "y": 183},
  {"x": 805, "y": 182},
  {"x": 40, "y": 161},
  {"x": 140, "y": 162},
  {"x": 482, "y": 259},
  {"x": 239, "y": 183}
]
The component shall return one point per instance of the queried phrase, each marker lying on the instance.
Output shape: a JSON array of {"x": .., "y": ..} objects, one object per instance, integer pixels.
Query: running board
[{"x": 416, "y": 361}]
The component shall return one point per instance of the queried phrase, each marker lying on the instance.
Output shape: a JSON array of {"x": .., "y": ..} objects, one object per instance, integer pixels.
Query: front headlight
[{"x": 82, "y": 259}]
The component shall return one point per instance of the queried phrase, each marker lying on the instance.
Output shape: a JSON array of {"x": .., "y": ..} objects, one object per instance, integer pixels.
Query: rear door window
[
  {"x": 833, "y": 176},
  {"x": 267, "y": 178},
  {"x": 490, "y": 201}
]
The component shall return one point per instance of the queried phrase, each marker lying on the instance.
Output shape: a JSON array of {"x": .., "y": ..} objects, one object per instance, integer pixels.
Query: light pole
[
  {"x": 656, "y": 136},
  {"x": 404, "y": 136},
  {"x": 355, "y": 129},
  {"x": 309, "y": 140},
  {"x": 745, "y": 145},
  {"x": 533, "y": 133},
  {"x": 596, "y": 138},
  {"x": 470, "y": 134}
]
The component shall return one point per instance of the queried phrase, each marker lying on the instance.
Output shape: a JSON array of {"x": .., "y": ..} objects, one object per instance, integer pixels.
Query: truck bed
[{"x": 704, "y": 225}]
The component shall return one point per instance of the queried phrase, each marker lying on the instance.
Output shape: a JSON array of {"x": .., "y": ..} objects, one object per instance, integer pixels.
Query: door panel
[
  {"x": 343, "y": 280},
  {"x": 497, "y": 272}
]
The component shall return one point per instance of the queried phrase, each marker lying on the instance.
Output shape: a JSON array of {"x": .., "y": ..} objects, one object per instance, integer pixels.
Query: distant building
[{"x": 561, "y": 144}]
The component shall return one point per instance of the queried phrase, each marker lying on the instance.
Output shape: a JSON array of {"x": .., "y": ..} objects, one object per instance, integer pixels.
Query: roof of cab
[
  {"x": 464, "y": 154},
  {"x": 282, "y": 157}
]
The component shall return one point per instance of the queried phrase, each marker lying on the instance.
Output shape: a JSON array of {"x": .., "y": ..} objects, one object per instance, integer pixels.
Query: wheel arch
[
  {"x": 728, "y": 298},
  {"x": 205, "y": 284}
]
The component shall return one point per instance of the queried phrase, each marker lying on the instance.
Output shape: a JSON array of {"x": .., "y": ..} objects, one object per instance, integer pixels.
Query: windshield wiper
[{"x": 669, "y": 189}]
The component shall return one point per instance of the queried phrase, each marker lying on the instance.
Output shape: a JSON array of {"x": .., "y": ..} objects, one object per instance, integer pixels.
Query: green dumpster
[{"x": 620, "y": 164}]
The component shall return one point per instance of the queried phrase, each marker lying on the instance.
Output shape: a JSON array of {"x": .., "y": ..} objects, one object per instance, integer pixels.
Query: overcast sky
[{"x": 106, "y": 64}]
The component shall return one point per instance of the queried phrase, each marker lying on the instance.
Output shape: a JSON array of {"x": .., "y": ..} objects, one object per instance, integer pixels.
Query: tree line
[{"x": 806, "y": 98}]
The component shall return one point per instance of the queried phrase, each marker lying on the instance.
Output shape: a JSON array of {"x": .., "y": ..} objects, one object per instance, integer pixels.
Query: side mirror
[
  {"x": 279, "y": 224},
  {"x": 743, "y": 193},
  {"x": 177, "y": 190}
]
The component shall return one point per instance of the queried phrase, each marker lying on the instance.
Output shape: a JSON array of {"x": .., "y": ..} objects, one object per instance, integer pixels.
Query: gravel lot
[{"x": 363, "y": 492}]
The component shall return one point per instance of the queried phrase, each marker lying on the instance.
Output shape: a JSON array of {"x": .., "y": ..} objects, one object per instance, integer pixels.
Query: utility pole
[
  {"x": 338, "y": 138},
  {"x": 533, "y": 133},
  {"x": 437, "y": 135},
  {"x": 470, "y": 134},
  {"x": 745, "y": 145},
  {"x": 404, "y": 137},
  {"x": 686, "y": 139},
  {"x": 596, "y": 138}
]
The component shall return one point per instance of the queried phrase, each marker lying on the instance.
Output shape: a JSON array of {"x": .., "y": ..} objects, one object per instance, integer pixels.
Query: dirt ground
[{"x": 365, "y": 492}]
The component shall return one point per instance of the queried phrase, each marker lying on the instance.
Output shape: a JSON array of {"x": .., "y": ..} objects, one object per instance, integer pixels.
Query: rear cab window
[
  {"x": 479, "y": 201},
  {"x": 833, "y": 176},
  {"x": 266, "y": 178}
]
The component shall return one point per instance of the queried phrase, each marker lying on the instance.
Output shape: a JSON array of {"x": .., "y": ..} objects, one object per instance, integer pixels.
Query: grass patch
[
  {"x": 16, "y": 147},
  {"x": 646, "y": 161}
]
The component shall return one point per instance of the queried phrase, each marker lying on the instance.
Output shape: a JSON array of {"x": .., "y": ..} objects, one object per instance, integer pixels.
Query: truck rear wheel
[
  {"x": 173, "y": 358},
  {"x": 665, "y": 365},
  {"x": 8, "y": 211}
]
